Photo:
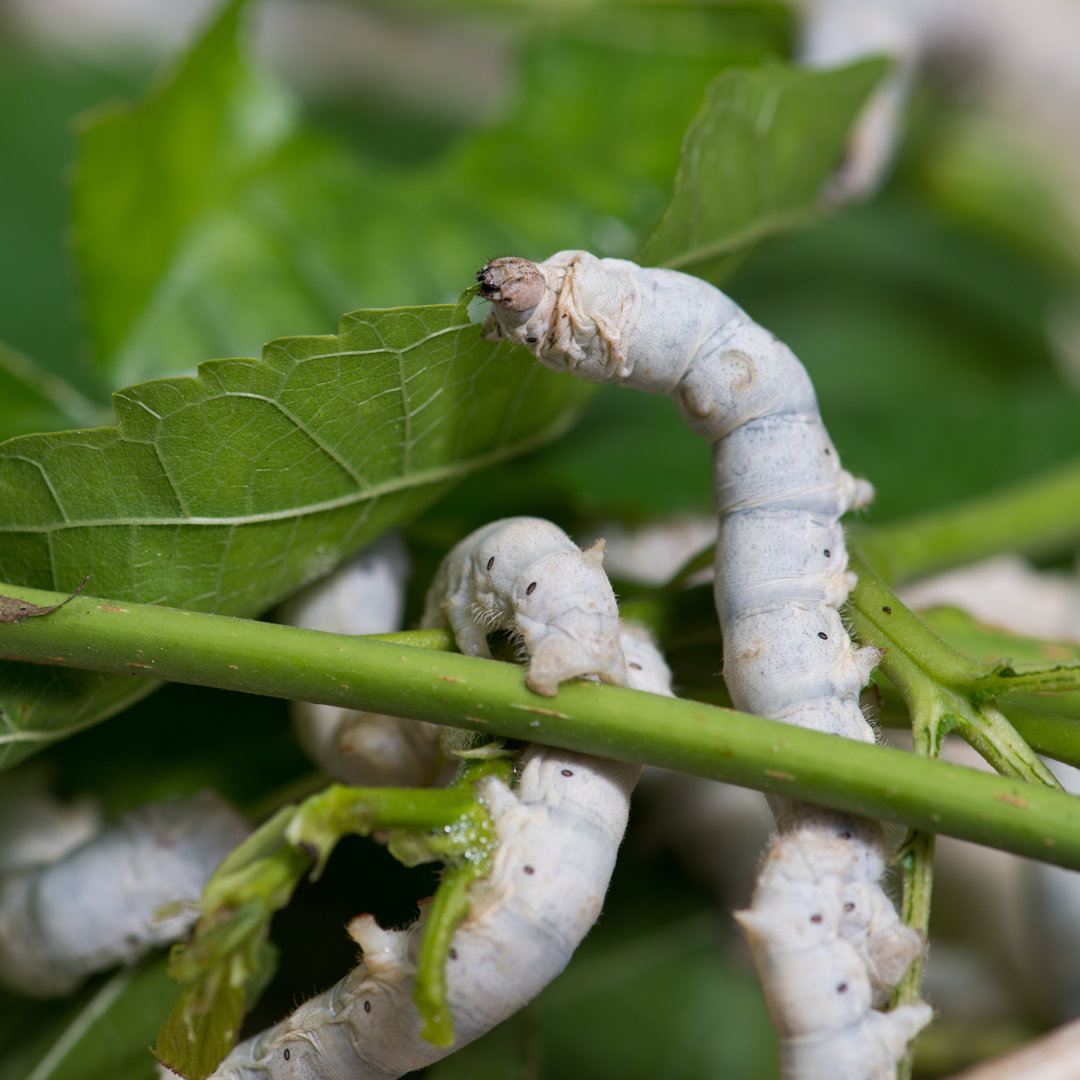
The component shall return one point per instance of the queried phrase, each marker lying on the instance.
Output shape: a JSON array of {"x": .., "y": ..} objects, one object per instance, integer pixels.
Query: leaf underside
[{"x": 227, "y": 491}]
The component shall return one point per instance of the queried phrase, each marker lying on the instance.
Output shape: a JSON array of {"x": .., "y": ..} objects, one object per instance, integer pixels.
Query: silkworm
[
  {"x": 133, "y": 886},
  {"x": 365, "y": 596},
  {"x": 781, "y": 575},
  {"x": 558, "y": 829},
  {"x": 526, "y": 575}
]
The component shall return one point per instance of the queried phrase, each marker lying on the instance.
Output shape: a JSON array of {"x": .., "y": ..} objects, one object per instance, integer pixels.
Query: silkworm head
[
  {"x": 512, "y": 282},
  {"x": 522, "y": 301},
  {"x": 567, "y": 616},
  {"x": 560, "y": 656}
]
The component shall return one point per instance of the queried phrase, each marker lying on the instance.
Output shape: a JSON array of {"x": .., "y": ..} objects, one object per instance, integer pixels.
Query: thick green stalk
[
  {"x": 1037, "y": 516},
  {"x": 490, "y": 697},
  {"x": 937, "y": 680},
  {"x": 1055, "y": 734}
]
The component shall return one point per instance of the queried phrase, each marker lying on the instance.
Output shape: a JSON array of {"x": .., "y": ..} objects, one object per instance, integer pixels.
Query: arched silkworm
[
  {"x": 365, "y": 596},
  {"x": 108, "y": 901},
  {"x": 559, "y": 830},
  {"x": 781, "y": 575},
  {"x": 526, "y": 575}
]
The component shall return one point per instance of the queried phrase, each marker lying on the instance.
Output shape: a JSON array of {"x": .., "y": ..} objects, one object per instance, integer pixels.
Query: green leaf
[
  {"x": 755, "y": 161},
  {"x": 228, "y": 491},
  {"x": 41, "y": 91},
  {"x": 105, "y": 1033},
  {"x": 923, "y": 335},
  {"x": 259, "y": 877},
  {"x": 154, "y": 181},
  {"x": 229, "y": 953},
  {"x": 238, "y": 224},
  {"x": 33, "y": 399}
]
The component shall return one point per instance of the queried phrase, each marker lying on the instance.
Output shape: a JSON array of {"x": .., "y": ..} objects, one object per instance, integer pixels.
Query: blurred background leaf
[
  {"x": 221, "y": 210},
  {"x": 101, "y": 1034}
]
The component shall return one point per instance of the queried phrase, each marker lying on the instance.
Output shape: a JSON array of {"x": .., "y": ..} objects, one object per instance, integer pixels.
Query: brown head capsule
[{"x": 515, "y": 283}]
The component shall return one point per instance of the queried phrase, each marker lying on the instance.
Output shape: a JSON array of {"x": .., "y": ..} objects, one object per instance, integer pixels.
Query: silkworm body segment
[
  {"x": 526, "y": 575},
  {"x": 132, "y": 886},
  {"x": 559, "y": 830},
  {"x": 365, "y": 596},
  {"x": 781, "y": 575}
]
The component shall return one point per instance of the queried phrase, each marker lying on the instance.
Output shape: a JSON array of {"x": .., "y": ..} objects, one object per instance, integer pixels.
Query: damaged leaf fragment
[{"x": 12, "y": 609}]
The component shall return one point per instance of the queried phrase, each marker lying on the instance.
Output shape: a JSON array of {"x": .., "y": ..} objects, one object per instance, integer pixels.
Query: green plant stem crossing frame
[{"x": 387, "y": 675}]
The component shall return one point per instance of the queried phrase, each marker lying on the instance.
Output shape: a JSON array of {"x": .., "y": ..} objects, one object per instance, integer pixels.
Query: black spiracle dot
[
  {"x": 532, "y": 340},
  {"x": 842, "y": 988},
  {"x": 568, "y": 772},
  {"x": 367, "y": 1006},
  {"x": 849, "y": 906},
  {"x": 845, "y": 835},
  {"x": 286, "y": 1055},
  {"x": 452, "y": 954},
  {"x": 491, "y": 562},
  {"x": 634, "y": 664},
  {"x": 529, "y": 869},
  {"x": 531, "y": 589},
  {"x": 823, "y": 635},
  {"x": 828, "y": 555},
  {"x": 815, "y": 918}
]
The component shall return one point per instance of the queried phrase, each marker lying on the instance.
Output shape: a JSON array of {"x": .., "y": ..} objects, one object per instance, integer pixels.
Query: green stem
[
  {"x": 490, "y": 697},
  {"x": 1001, "y": 745},
  {"x": 931, "y": 720},
  {"x": 936, "y": 680},
  {"x": 1038, "y": 516},
  {"x": 447, "y": 911},
  {"x": 885, "y": 621},
  {"x": 917, "y": 866},
  {"x": 322, "y": 820},
  {"x": 1032, "y": 677},
  {"x": 1054, "y": 734}
]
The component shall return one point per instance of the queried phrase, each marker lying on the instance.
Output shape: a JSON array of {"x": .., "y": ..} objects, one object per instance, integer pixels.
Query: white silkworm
[
  {"x": 365, "y": 596},
  {"x": 36, "y": 827},
  {"x": 526, "y": 575},
  {"x": 781, "y": 575},
  {"x": 133, "y": 886},
  {"x": 559, "y": 830}
]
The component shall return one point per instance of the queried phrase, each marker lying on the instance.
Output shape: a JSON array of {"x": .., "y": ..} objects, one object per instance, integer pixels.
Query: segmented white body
[
  {"x": 526, "y": 575},
  {"x": 559, "y": 830},
  {"x": 781, "y": 575},
  {"x": 365, "y": 596},
  {"x": 102, "y": 903}
]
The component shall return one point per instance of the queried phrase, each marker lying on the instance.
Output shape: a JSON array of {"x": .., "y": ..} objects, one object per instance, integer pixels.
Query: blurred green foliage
[{"x": 197, "y": 231}]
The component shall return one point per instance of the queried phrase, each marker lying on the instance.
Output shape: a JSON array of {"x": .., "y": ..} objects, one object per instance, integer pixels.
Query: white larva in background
[
  {"x": 781, "y": 575},
  {"x": 365, "y": 596},
  {"x": 133, "y": 886},
  {"x": 526, "y": 575},
  {"x": 559, "y": 830}
]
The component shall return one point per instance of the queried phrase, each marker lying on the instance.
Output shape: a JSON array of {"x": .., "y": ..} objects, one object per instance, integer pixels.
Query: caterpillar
[
  {"x": 526, "y": 575},
  {"x": 365, "y": 596},
  {"x": 781, "y": 575},
  {"x": 112, "y": 898},
  {"x": 559, "y": 830}
]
